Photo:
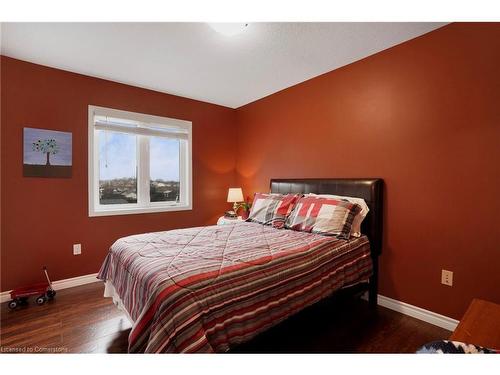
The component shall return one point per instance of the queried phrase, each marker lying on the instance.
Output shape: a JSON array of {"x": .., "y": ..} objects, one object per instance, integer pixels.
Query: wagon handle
[{"x": 47, "y": 276}]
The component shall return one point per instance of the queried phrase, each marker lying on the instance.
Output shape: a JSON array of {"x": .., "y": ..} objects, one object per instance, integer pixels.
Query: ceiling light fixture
[{"x": 229, "y": 28}]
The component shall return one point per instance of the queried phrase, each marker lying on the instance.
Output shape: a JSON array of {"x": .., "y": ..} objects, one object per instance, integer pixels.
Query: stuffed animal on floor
[{"x": 453, "y": 347}]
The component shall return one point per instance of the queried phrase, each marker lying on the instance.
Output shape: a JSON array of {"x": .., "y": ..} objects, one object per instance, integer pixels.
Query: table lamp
[{"x": 235, "y": 195}]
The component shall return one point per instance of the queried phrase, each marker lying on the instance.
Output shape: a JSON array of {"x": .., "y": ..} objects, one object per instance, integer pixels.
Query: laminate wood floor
[{"x": 81, "y": 320}]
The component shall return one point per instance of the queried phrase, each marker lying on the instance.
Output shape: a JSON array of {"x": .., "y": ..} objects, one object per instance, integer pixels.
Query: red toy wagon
[{"x": 44, "y": 291}]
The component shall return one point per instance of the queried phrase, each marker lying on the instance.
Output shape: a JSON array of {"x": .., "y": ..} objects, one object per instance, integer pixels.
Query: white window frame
[{"x": 143, "y": 204}]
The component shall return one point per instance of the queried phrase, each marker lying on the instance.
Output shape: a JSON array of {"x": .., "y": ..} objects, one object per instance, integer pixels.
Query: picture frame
[{"x": 47, "y": 153}]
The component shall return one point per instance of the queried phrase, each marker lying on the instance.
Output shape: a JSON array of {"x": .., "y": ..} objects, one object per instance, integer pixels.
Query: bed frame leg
[{"x": 373, "y": 286}]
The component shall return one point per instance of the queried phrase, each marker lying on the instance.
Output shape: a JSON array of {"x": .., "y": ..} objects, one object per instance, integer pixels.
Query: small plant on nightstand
[{"x": 246, "y": 205}]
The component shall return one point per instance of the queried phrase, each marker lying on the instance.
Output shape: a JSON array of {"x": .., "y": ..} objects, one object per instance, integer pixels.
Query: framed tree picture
[{"x": 47, "y": 153}]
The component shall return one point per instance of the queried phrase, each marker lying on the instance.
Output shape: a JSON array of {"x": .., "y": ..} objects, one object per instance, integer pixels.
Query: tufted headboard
[{"x": 370, "y": 189}]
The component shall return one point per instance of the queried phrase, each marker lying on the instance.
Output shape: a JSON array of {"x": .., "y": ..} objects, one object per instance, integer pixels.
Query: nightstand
[
  {"x": 224, "y": 220},
  {"x": 480, "y": 325}
]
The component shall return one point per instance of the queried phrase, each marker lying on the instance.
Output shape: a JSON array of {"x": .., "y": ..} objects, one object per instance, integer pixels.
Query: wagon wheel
[
  {"x": 12, "y": 304},
  {"x": 51, "y": 293},
  {"x": 40, "y": 300}
]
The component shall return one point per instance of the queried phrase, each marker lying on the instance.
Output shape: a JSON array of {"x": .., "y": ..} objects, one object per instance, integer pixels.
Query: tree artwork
[
  {"x": 47, "y": 147},
  {"x": 47, "y": 153}
]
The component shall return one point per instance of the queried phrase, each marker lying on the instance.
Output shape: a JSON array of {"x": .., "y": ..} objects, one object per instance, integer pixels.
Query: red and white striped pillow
[
  {"x": 272, "y": 209},
  {"x": 323, "y": 215}
]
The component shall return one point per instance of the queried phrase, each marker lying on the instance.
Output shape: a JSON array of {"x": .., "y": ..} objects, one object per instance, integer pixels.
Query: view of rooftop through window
[
  {"x": 118, "y": 168},
  {"x": 164, "y": 169}
]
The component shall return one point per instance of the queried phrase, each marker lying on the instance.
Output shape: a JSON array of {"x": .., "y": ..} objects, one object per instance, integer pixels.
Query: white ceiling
[{"x": 194, "y": 61}]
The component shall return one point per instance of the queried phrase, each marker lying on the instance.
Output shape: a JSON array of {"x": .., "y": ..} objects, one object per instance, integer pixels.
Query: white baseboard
[
  {"x": 60, "y": 284},
  {"x": 417, "y": 312}
]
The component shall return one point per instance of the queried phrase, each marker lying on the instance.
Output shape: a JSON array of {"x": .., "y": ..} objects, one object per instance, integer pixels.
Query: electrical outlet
[
  {"x": 447, "y": 277},
  {"x": 77, "y": 249}
]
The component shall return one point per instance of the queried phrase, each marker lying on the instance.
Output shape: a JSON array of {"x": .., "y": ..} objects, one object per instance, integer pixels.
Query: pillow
[
  {"x": 272, "y": 209},
  {"x": 358, "y": 219},
  {"x": 323, "y": 216}
]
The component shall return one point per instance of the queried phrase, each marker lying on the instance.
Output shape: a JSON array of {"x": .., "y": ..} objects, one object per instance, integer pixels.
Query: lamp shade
[{"x": 235, "y": 195}]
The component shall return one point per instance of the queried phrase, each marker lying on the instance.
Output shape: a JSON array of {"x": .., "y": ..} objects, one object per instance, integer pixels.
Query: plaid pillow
[
  {"x": 323, "y": 215},
  {"x": 272, "y": 209},
  {"x": 358, "y": 219}
]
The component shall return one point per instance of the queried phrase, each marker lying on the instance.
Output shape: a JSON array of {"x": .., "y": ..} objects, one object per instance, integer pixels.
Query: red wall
[
  {"x": 424, "y": 116},
  {"x": 43, "y": 217}
]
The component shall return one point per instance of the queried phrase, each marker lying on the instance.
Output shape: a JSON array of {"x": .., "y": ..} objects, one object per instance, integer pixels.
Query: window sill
[{"x": 138, "y": 210}]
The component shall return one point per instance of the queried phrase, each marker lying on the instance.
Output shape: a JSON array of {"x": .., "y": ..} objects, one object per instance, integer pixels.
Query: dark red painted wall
[
  {"x": 424, "y": 116},
  {"x": 43, "y": 217}
]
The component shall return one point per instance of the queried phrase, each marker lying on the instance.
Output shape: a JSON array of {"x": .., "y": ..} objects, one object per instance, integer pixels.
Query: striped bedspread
[{"x": 207, "y": 289}]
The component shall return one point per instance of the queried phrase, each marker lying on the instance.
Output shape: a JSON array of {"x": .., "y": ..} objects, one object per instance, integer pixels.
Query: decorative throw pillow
[
  {"x": 323, "y": 215},
  {"x": 356, "y": 224},
  {"x": 272, "y": 209}
]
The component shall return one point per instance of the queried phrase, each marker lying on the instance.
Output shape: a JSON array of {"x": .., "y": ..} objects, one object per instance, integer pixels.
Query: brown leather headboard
[{"x": 370, "y": 189}]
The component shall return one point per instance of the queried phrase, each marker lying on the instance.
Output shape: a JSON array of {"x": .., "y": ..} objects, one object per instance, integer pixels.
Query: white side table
[{"x": 225, "y": 220}]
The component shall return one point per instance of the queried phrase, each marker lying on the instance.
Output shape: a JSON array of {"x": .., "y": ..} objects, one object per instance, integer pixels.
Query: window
[{"x": 138, "y": 163}]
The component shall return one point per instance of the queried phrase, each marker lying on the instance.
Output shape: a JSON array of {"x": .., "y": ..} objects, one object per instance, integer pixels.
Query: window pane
[
  {"x": 117, "y": 167},
  {"x": 164, "y": 169}
]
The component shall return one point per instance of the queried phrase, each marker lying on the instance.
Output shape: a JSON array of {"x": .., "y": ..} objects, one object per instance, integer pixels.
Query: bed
[{"x": 208, "y": 289}]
